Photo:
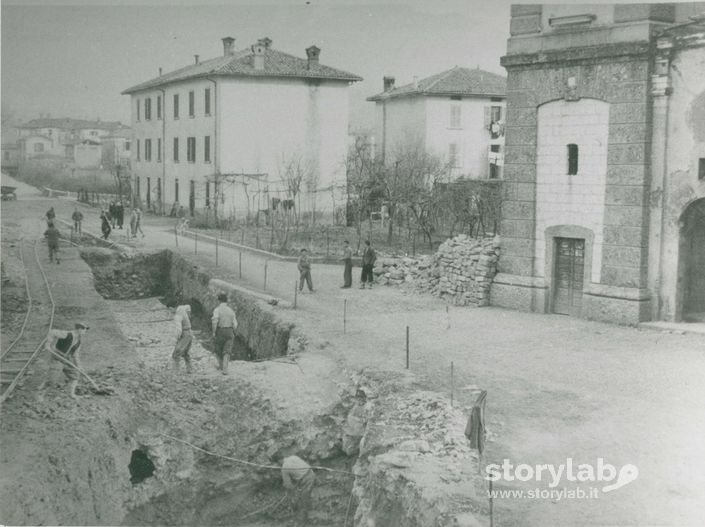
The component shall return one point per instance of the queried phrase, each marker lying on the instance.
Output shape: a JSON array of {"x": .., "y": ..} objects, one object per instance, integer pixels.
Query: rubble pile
[{"x": 461, "y": 271}]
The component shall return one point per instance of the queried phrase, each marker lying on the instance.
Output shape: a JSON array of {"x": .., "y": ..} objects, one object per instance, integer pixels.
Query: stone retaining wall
[{"x": 461, "y": 271}]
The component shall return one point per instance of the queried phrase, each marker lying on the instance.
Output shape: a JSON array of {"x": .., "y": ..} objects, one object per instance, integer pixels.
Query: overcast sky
[{"x": 72, "y": 59}]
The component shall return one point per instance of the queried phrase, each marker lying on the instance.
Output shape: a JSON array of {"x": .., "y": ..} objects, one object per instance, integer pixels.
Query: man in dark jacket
[
  {"x": 52, "y": 235},
  {"x": 368, "y": 262}
]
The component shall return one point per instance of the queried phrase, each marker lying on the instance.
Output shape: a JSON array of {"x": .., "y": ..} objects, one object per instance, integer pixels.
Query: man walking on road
[
  {"x": 67, "y": 345},
  {"x": 368, "y": 262},
  {"x": 50, "y": 215},
  {"x": 347, "y": 261},
  {"x": 52, "y": 235},
  {"x": 304, "y": 266},
  {"x": 224, "y": 324},
  {"x": 77, "y": 218}
]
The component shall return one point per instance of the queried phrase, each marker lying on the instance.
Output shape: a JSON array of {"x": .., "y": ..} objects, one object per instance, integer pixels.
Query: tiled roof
[
  {"x": 276, "y": 64},
  {"x": 457, "y": 81},
  {"x": 66, "y": 123}
]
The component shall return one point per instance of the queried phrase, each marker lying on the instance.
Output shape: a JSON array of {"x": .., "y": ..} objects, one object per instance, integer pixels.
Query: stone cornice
[{"x": 578, "y": 55}]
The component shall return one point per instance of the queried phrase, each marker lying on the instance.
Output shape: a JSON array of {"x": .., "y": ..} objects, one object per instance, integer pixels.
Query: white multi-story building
[
  {"x": 457, "y": 114},
  {"x": 220, "y": 133}
]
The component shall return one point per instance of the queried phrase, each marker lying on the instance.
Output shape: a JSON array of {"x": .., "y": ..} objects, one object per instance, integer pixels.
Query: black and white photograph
[{"x": 352, "y": 263}]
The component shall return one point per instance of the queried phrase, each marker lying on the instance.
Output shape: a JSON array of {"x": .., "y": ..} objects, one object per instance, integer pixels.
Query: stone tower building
[{"x": 604, "y": 209}]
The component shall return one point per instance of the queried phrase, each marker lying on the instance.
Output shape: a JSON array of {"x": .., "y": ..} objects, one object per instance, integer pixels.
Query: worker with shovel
[{"x": 64, "y": 347}]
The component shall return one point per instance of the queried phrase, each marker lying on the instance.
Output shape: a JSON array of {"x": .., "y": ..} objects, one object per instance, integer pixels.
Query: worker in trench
[
  {"x": 298, "y": 479},
  {"x": 224, "y": 324},
  {"x": 67, "y": 345},
  {"x": 184, "y": 339}
]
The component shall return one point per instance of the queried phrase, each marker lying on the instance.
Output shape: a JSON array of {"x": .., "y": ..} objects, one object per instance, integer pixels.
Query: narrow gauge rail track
[{"x": 16, "y": 360}]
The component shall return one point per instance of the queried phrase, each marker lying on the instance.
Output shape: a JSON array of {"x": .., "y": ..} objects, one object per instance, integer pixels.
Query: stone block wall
[
  {"x": 615, "y": 75},
  {"x": 460, "y": 272}
]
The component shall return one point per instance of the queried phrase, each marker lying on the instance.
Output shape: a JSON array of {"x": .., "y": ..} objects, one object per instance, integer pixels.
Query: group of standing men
[{"x": 369, "y": 257}]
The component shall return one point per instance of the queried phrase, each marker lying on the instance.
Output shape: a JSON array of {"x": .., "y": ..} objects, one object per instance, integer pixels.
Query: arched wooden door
[{"x": 693, "y": 262}]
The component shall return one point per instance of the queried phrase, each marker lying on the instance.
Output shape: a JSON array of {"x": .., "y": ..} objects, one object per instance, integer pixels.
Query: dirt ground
[{"x": 558, "y": 387}]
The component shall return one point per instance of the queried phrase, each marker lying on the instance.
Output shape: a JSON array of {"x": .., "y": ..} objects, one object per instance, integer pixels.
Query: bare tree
[
  {"x": 417, "y": 174},
  {"x": 361, "y": 171}
]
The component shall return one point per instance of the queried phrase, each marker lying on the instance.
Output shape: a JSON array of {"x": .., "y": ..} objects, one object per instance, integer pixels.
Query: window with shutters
[
  {"x": 207, "y": 101},
  {"x": 176, "y": 106},
  {"x": 191, "y": 104},
  {"x": 176, "y": 149},
  {"x": 207, "y": 149},
  {"x": 137, "y": 154},
  {"x": 159, "y": 150},
  {"x": 138, "y": 109},
  {"x": 176, "y": 190},
  {"x": 147, "y": 149},
  {"x": 208, "y": 194},
  {"x": 159, "y": 106},
  {"x": 572, "y": 159},
  {"x": 455, "y": 121},
  {"x": 191, "y": 149},
  {"x": 148, "y": 109}
]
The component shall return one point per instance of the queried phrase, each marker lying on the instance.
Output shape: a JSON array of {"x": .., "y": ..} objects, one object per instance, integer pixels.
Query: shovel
[{"x": 94, "y": 387}]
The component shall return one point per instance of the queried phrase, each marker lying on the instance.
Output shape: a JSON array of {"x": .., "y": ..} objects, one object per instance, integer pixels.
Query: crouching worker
[
  {"x": 67, "y": 345},
  {"x": 184, "y": 337},
  {"x": 298, "y": 479}
]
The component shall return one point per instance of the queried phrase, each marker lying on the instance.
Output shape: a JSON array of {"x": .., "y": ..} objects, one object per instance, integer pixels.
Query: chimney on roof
[
  {"x": 388, "y": 83},
  {"x": 312, "y": 52},
  {"x": 258, "y": 55},
  {"x": 266, "y": 42},
  {"x": 228, "y": 46},
  {"x": 195, "y": 59}
]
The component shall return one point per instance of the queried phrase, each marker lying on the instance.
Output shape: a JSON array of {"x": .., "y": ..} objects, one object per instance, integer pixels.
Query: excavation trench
[
  {"x": 206, "y": 448},
  {"x": 210, "y": 454}
]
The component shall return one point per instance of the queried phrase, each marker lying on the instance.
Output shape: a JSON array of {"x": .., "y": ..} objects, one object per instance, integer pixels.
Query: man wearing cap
[
  {"x": 224, "y": 325},
  {"x": 67, "y": 344}
]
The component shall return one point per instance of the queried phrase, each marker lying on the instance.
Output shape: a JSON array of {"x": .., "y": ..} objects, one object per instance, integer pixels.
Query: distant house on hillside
[
  {"x": 458, "y": 114},
  {"x": 226, "y": 133},
  {"x": 75, "y": 141}
]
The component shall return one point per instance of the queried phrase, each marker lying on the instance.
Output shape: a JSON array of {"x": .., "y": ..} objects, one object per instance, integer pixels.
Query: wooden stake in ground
[
  {"x": 296, "y": 291},
  {"x": 195, "y": 243},
  {"x": 407, "y": 347},
  {"x": 265, "y": 274}
]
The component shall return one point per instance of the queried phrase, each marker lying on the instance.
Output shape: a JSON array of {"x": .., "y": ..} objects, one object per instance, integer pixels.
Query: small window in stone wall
[
  {"x": 701, "y": 169},
  {"x": 572, "y": 159}
]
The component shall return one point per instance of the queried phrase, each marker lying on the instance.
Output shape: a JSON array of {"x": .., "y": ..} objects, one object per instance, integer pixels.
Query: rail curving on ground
[{"x": 19, "y": 355}]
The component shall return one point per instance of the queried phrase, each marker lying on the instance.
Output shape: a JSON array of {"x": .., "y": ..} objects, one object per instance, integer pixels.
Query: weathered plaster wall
[
  {"x": 563, "y": 199},
  {"x": 685, "y": 147}
]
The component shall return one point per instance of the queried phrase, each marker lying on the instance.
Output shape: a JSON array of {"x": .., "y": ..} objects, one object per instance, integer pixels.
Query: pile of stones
[{"x": 461, "y": 271}]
